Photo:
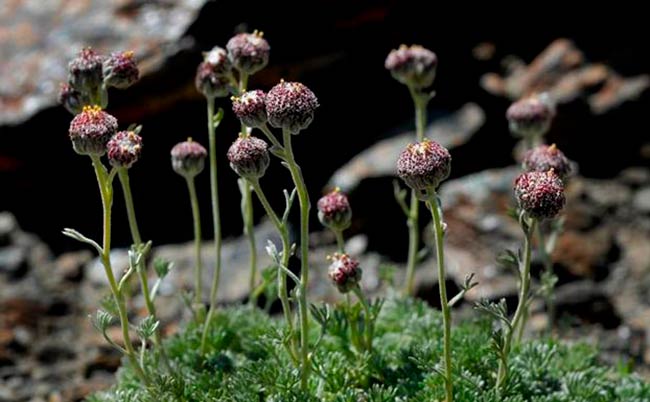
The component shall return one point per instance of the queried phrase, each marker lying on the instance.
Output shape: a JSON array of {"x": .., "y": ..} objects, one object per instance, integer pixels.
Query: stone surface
[{"x": 39, "y": 37}]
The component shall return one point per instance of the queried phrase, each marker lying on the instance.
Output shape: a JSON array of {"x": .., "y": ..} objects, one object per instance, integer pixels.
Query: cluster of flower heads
[
  {"x": 90, "y": 74},
  {"x": 93, "y": 131}
]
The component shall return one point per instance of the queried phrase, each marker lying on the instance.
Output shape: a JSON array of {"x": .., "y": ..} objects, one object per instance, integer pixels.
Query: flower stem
[
  {"x": 303, "y": 198},
  {"x": 123, "y": 174},
  {"x": 196, "y": 218},
  {"x": 436, "y": 213},
  {"x": 286, "y": 254},
  {"x": 216, "y": 224},
  {"x": 420, "y": 102},
  {"x": 367, "y": 318},
  {"x": 522, "y": 305},
  {"x": 340, "y": 243},
  {"x": 106, "y": 192}
]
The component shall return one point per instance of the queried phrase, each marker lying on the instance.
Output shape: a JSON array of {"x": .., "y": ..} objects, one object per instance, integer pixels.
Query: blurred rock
[
  {"x": 39, "y": 38},
  {"x": 562, "y": 71}
]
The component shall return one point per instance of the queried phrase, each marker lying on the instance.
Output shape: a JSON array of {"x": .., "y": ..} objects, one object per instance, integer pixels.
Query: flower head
[
  {"x": 85, "y": 71},
  {"x": 212, "y": 74},
  {"x": 249, "y": 52},
  {"x": 414, "y": 65},
  {"x": 71, "y": 99},
  {"x": 120, "y": 70},
  {"x": 334, "y": 210},
  {"x": 250, "y": 108},
  {"x": 188, "y": 158},
  {"x": 124, "y": 149},
  {"x": 291, "y": 106},
  {"x": 423, "y": 165},
  {"x": 344, "y": 272},
  {"x": 530, "y": 116},
  {"x": 91, "y": 130},
  {"x": 249, "y": 157},
  {"x": 540, "y": 194},
  {"x": 544, "y": 158}
]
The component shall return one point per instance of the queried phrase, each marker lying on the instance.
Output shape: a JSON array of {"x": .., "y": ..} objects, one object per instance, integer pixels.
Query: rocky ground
[{"x": 49, "y": 351}]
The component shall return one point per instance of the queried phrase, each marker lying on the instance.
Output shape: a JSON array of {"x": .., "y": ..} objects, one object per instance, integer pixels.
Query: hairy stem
[
  {"x": 106, "y": 192},
  {"x": 366, "y": 317},
  {"x": 436, "y": 214},
  {"x": 303, "y": 199},
  {"x": 216, "y": 224},
  {"x": 340, "y": 243},
  {"x": 196, "y": 219},
  {"x": 123, "y": 174}
]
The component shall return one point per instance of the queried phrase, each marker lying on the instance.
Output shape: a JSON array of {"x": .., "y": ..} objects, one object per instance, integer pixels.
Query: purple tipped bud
[
  {"x": 530, "y": 117},
  {"x": 250, "y": 108},
  {"x": 249, "y": 52},
  {"x": 414, "y": 66},
  {"x": 544, "y": 158},
  {"x": 423, "y": 165},
  {"x": 540, "y": 194},
  {"x": 334, "y": 210},
  {"x": 124, "y": 149},
  {"x": 291, "y": 106},
  {"x": 344, "y": 272},
  {"x": 212, "y": 74},
  {"x": 120, "y": 70},
  {"x": 249, "y": 157},
  {"x": 71, "y": 99},
  {"x": 85, "y": 71},
  {"x": 91, "y": 130},
  {"x": 188, "y": 158}
]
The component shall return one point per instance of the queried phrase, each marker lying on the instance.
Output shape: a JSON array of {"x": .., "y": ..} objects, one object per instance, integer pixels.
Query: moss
[{"x": 247, "y": 362}]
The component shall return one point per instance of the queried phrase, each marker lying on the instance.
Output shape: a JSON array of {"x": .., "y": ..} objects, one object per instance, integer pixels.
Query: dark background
[{"x": 337, "y": 48}]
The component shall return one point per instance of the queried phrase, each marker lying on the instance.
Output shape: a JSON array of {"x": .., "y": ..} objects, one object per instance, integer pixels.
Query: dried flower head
[
  {"x": 120, "y": 70},
  {"x": 91, "y": 130},
  {"x": 414, "y": 65},
  {"x": 249, "y": 157},
  {"x": 544, "y": 158},
  {"x": 188, "y": 158},
  {"x": 540, "y": 194},
  {"x": 423, "y": 165},
  {"x": 124, "y": 149},
  {"x": 530, "y": 116},
  {"x": 344, "y": 272},
  {"x": 85, "y": 71},
  {"x": 334, "y": 210},
  {"x": 250, "y": 108},
  {"x": 71, "y": 99},
  {"x": 248, "y": 52},
  {"x": 291, "y": 106},
  {"x": 212, "y": 74}
]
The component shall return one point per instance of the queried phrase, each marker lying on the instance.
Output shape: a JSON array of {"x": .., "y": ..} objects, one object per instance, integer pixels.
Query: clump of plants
[{"x": 391, "y": 348}]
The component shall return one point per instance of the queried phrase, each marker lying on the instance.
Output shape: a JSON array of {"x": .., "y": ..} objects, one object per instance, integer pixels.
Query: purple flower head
[
  {"x": 249, "y": 157},
  {"x": 334, "y": 210},
  {"x": 291, "y": 106},
  {"x": 544, "y": 158},
  {"x": 212, "y": 75},
  {"x": 248, "y": 52},
  {"x": 120, "y": 70},
  {"x": 85, "y": 71},
  {"x": 124, "y": 149},
  {"x": 344, "y": 271},
  {"x": 414, "y": 66},
  {"x": 71, "y": 99},
  {"x": 530, "y": 117},
  {"x": 188, "y": 158},
  {"x": 91, "y": 130},
  {"x": 540, "y": 194},
  {"x": 423, "y": 165},
  {"x": 250, "y": 108}
]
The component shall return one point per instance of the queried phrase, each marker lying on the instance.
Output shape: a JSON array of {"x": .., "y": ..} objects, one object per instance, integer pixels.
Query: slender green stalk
[
  {"x": 123, "y": 174},
  {"x": 524, "y": 270},
  {"x": 303, "y": 198},
  {"x": 366, "y": 317},
  {"x": 436, "y": 213},
  {"x": 420, "y": 102},
  {"x": 357, "y": 342},
  {"x": 216, "y": 224},
  {"x": 340, "y": 243},
  {"x": 196, "y": 218},
  {"x": 106, "y": 192},
  {"x": 286, "y": 254}
]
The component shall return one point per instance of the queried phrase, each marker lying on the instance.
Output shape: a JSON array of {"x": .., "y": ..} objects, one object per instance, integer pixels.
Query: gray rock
[{"x": 642, "y": 200}]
